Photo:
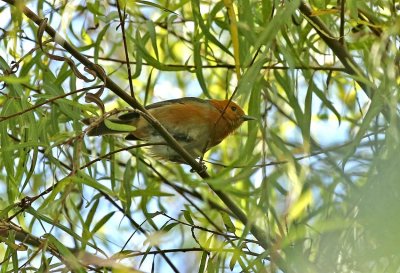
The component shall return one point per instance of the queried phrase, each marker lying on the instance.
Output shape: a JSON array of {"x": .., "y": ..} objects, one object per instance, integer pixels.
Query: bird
[{"x": 197, "y": 125}]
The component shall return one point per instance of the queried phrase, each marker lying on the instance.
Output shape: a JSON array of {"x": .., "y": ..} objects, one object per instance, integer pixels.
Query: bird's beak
[{"x": 246, "y": 118}]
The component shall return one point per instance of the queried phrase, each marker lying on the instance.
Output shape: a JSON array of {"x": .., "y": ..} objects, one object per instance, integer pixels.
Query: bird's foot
[{"x": 203, "y": 167}]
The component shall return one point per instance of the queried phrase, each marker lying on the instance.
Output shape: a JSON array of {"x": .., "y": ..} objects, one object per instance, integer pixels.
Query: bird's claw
[{"x": 203, "y": 168}]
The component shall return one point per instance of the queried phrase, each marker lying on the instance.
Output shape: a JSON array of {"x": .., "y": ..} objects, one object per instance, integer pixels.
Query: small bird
[{"x": 196, "y": 124}]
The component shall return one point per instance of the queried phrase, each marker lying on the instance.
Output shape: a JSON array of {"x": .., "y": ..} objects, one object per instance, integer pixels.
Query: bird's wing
[
  {"x": 166, "y": 111},
  {"x": 130, "y": 116},
  {"x": 133, "y": 115},
  {"x": 173, "y": 101}
]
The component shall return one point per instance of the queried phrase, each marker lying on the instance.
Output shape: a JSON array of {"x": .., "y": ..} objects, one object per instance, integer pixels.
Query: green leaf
[
  {"x": 119, "y": 126},
  {"x": 249, "y": 78},
  {"x": 203, "y": 262},
  {"x": 199, "y": 21},
  {"x": 11, "y": 244},
  {"x": 269, "y": 32},
  {"x": 152, "y": 4},
  {"x": 4, "y": 211},
  {"x": 150, "y": 193},
  {"x": 102, "y": 222},
  {"x": 60, "y": 186},
  {"x": 375, "y": 109},
  {"x": 11, "y": 79},
  {"x": 305, "y": 124},
  {"x": 326, "y": 101},
  {"x": 233, "y": 260},
  {"x": 91, "y": 214},
  {"x": 186, "y": 215},
  {"x": 129, "y": 175},
  {"x": 144, "y": 53},
  {"x": 230, "y": 227},
  {"x": 89, "y": 181},
  {"x": 169, "y": 227},
  {"x": 70, "y": 258},
  {"x": 98, "y": 44},
  {"x": 198, "y": 64},
  {"x": 153, "y": 37}
]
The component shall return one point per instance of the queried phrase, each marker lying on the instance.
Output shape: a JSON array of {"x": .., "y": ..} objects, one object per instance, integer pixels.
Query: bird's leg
[{"x": 201, "y": 161}]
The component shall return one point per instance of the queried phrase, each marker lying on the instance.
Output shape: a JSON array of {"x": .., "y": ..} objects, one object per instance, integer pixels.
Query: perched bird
[{"x": 196, "y": 124}]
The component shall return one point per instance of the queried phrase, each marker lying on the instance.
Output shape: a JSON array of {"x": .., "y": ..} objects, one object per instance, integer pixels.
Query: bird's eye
[{"x": 233, "y": 108}]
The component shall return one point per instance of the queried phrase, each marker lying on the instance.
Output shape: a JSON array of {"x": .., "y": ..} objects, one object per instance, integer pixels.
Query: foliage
[{"x": 312, "y": 186}]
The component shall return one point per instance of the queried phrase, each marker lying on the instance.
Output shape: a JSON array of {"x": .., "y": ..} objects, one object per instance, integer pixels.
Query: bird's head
[{"x": 232, "y": 113}]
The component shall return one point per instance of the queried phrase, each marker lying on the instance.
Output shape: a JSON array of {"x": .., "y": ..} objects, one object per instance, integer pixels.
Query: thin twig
[{"x": 122, "y": 24}]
